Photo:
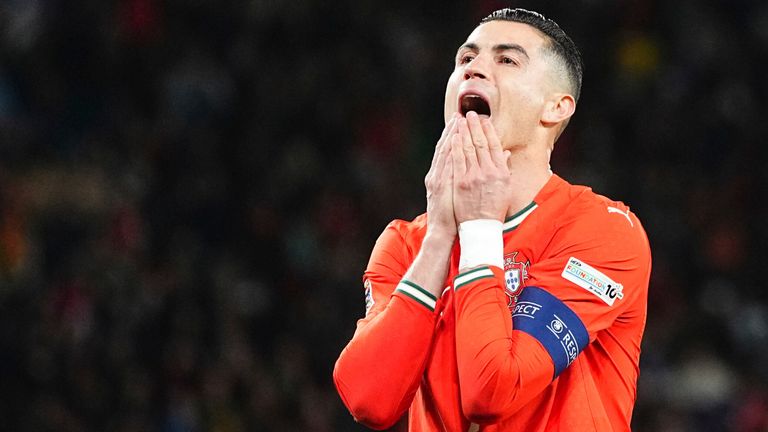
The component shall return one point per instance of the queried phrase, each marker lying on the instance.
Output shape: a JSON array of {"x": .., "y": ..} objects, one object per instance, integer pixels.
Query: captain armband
[{"x": 552, "y": 323}]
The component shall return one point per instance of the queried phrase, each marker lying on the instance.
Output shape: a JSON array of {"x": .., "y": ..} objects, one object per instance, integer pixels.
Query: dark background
[{"x": 189, "y": 191}]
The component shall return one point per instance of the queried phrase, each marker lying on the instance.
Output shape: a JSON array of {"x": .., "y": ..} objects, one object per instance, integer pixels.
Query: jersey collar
[
  {"x": 516, "y": 219},
  {"x": 549, "y": 188}
]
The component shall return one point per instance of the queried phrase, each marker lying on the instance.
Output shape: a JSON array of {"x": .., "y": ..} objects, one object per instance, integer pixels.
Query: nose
[{"x": 477, "y": 68}]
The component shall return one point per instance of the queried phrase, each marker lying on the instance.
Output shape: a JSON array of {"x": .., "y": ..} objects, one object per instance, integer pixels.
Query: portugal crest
[{"x": 515, "y": 275}]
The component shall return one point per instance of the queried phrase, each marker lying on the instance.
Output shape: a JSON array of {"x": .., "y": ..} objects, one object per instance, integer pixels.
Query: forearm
[
  {"x": 430, "y": 268},
  {"x": 379, "y": 371}
]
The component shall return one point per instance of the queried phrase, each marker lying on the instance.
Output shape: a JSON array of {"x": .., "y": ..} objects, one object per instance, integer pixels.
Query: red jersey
[{"x": 549, "y": 342}]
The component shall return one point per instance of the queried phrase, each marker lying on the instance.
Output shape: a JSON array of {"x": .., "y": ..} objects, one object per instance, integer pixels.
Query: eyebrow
[{"x": 498, "y": 48}]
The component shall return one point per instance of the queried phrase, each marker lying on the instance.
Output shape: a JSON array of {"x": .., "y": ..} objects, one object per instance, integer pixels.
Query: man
[{"x": 532, "y": 321}]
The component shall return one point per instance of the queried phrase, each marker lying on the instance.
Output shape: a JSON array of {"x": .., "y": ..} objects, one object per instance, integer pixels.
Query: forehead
[{"x": 505, "y": 32}]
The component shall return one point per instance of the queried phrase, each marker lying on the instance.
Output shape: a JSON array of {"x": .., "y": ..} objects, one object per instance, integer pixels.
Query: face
[{"x": 500, "y": 71}]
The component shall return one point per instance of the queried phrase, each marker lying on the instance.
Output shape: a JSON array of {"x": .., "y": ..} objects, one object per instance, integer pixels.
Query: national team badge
[{"x": 515, "y": 275}]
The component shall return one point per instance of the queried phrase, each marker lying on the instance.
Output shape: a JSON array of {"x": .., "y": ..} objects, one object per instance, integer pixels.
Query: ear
[{"x": 558, "y": 109}]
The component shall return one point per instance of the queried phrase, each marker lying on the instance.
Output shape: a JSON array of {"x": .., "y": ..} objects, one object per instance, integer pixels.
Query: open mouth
[{"x": 474, "y": 103}]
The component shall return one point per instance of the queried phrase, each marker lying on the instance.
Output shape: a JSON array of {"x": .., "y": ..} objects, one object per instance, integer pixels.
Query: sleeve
[
  {"x": 595, "y": 266},
  {"x": 379, "y": 371}
]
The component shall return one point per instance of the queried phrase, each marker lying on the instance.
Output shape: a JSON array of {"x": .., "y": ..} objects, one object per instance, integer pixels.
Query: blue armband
[{"x": 551, "y": 322}]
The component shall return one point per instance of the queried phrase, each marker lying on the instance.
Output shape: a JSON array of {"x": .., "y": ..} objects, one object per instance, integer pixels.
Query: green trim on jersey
[
  {"x": 471, "y": 276},
  {"x": 417, "y": 293},
  {"x": 516, "y": 219}
]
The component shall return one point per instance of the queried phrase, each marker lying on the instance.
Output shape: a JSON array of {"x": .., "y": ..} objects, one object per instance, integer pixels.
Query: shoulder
[
  {"x": 401, "y": 238},
  {"x": 407, "y": 231},
  {"x": 598, "y": 239},
  {"x": 597, "y": 219}
]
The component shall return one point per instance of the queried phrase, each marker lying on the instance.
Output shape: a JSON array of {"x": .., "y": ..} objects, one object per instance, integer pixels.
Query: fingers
[
  {"x": 479, "y": 139},
  {"x": 467, "y": 146},
  {"x": 495, "y": 148},
  {"x": 449, "y": 129},
  {"x": 442, "y": 153},
  {"x": 448, "y": 170},
  {"x": 457, "y": 157},
  {"x": 468, "y": 143}
]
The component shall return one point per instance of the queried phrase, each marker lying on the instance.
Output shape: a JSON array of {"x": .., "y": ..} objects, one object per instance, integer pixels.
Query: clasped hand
[{"x": 469, "y": 178}]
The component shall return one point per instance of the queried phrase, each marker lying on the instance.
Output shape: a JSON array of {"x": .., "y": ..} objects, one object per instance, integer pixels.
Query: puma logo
[{"x": 625, "y": 214}]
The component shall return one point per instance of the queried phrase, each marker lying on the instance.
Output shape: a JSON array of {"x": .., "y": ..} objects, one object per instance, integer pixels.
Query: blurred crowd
[{"x": 189, "y": 191}]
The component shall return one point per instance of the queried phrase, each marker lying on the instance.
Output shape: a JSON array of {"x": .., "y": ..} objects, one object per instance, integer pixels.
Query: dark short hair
[{"x": 560, "y": 44}]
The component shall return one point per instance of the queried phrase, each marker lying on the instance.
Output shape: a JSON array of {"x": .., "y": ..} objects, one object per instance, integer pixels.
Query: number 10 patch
[{"x": 591, "y": 279}]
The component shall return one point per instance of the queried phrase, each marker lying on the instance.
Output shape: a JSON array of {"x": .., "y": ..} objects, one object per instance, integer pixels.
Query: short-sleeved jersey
[{"x": 549, "y": 342}]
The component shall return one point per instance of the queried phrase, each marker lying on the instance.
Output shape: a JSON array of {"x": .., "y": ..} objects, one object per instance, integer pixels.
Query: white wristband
[{"x": 482, "y": 243}]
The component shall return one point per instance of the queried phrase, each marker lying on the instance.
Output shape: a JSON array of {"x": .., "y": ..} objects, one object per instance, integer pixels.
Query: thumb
[{"x": 507, "y": 156}]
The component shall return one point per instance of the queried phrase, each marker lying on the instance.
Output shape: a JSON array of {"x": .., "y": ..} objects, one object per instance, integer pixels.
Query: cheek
[
  {"x": 514, "y": 124},
  {"x": 523, "y": 94},
  {"x": 502, "y": 127},
  {"x": 521, "y": 109}
]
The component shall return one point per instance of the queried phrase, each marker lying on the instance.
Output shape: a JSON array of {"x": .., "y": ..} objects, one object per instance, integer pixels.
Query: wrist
[
  {"x": 430, "y": 267},
  {"x": 439, "y": 239},
  {"x": 482, "y": 243}
]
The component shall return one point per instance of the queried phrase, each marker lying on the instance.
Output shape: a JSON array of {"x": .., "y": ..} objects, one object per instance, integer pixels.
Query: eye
[
  {"x": 508, "y": 61},
  {"x": 466, "y": 58}
]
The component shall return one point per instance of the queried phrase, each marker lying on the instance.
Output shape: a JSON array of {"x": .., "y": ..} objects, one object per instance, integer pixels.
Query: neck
[{"x": 530, "y": 172}]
